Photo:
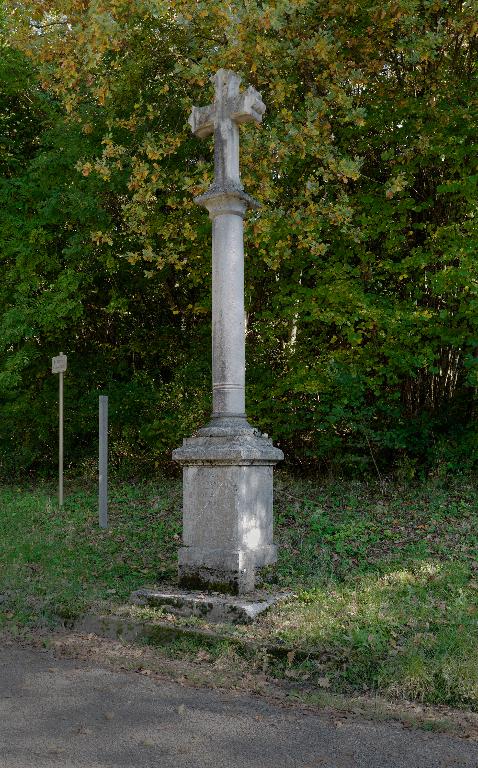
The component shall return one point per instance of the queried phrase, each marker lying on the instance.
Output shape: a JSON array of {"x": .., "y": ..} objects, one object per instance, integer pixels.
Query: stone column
[
  {"x": 227, "y": 465},
  {"x": 228, "y": 339}
]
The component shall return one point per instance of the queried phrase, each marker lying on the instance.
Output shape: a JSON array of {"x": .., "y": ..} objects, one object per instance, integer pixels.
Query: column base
[{"x": 221, "y": 570}]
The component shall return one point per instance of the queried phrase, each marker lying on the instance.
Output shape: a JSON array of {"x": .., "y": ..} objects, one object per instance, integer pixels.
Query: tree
[{"x": 360, "y": 273}]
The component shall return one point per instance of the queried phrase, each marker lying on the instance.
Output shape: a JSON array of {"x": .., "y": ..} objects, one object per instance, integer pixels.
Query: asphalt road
[{"x": 63, "y": 713}]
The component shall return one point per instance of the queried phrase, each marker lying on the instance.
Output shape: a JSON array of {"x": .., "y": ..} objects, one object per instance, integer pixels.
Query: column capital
[{"x": 222, "y": 201}]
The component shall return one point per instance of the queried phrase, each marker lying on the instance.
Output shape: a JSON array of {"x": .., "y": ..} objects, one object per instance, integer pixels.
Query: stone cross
[
  {"x": 227, "y": 203},
  {"x": 222, "y": 117},
  {"x": 227, "y": 465}
]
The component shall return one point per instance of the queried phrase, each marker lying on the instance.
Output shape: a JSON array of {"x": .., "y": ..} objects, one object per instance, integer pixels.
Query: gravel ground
[{"x": 76, "y": 713}]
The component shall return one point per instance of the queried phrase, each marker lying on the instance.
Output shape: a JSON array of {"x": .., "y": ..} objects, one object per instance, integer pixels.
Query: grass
[
  {"x": 386, "y": 575},
  {"x": 54, "y": 564}
]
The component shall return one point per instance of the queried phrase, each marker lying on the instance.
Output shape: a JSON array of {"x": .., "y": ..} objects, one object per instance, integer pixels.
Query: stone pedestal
[{"x": 227, "y": 508}]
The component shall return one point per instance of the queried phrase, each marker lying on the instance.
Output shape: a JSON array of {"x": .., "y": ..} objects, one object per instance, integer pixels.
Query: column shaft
[{"x": 228, "y": 337}]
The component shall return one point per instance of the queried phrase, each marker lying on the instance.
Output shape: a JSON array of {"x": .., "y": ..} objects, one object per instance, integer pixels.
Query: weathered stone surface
[
  {"x": 222, "y": 445},
  {"x": 222, "y": 118},
  {"x": 218, "y": 199},
  {"x": 213, "y": 607},
  {"x": 222, "y": 570},
  {"x": 227, "y": 203},
  {"x": 227, "y": 466},
  {"x": 227, "y": 509}
]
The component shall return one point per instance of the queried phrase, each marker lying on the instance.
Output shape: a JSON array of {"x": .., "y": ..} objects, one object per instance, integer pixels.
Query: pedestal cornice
[{"x": 223, "y": 447}]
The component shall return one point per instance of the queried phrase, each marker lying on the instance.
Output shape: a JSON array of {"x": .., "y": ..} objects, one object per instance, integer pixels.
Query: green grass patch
[
  {"x": 386, "y": 575},
  {"x": 54, "y": 564}
]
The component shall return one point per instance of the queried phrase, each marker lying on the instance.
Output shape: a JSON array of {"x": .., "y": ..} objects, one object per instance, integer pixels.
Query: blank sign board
[{"x": 58, "y": 364}]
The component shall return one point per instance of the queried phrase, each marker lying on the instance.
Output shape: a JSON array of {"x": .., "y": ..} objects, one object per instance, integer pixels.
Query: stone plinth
[
  {"x": 223, "y": 609},
  {"x": 227, "y": 508}
]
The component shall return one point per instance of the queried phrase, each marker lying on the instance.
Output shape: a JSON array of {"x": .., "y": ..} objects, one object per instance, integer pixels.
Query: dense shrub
[{"x": 361, "y": 287}]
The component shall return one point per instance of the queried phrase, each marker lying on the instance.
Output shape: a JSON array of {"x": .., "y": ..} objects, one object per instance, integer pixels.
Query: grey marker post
[
  {"x": 103, "y": 461},
  {"x": 59, "y": 365}
]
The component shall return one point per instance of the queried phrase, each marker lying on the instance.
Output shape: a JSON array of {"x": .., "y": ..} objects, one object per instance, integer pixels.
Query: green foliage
[{"x": 360, "y": 277}]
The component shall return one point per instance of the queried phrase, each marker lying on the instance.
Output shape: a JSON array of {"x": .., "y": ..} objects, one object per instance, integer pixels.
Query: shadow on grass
[
  {"x": 410, "y": 632},
  {"x": 385, "y": 578}
]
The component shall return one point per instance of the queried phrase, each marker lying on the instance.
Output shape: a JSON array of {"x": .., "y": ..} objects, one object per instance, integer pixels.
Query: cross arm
[
  {"x": 248, "y": 107},
  {"x": 201, "y": 120}
]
